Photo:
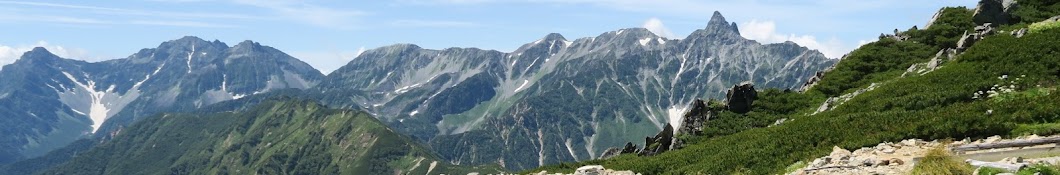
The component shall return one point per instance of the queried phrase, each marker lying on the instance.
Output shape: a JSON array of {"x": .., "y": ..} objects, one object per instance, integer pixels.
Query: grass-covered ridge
[
  {"x": 277, "y": 136},
  {"x": 938, "y": 105}
]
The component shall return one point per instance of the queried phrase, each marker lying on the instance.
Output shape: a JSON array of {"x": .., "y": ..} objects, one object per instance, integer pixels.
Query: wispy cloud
[
  {"x": 432, "y": 23},
  {"x": 432, "y": 2},
  {"x": 97, "y": 15},
  {"x": 182, "y": 24},
  {"x": 308, "y": 13},
  {"x": 134, "y": 12}
]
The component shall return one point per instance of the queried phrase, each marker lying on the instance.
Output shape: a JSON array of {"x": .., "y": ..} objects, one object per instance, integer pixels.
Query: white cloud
[
  {"x": 656, "y": 26},
  {"x": 9, "y": 54},
  {"x": 766, "y": 32}
]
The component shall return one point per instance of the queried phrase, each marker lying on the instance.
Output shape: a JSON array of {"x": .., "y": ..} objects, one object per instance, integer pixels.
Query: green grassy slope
[
  {"x": 278, "y": 136},
  {"x": 938, "y": 105}
]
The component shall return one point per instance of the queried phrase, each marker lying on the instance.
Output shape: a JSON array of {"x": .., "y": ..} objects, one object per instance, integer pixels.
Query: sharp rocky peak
[{"x": 718, "y": 24}]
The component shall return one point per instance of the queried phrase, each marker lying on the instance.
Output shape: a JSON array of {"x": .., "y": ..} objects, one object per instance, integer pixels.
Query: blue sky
[{"x": 328, "y": 33}]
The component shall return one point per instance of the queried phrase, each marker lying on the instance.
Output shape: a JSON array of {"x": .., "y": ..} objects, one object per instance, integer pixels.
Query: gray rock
[
  {"x": 993, "y": 11},
  {"x": 934, "y": 18},
  {"x": 965, "y": 42},
  {"x": 658, "y": 144},
  {"x": 1019, "y": 33},
  {"x": 740, "y": 97},
  {"x": 629, "y": 148},
  {"x": 696, "y": 117},
  {"x": 812, "y": 81}
]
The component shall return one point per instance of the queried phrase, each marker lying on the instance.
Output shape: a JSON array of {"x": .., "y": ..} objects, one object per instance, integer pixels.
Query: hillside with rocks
[{"x": 970, "y": 74}]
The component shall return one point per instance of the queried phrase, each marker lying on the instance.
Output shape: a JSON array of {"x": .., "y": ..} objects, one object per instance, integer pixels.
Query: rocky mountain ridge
[
  {"x": 546, "y": 101},
  {"x": 51, "y": 101}
]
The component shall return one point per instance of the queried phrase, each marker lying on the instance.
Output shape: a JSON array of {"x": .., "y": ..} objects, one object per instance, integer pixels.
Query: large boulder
[
  {"x": 740, "y": 97},
  {"x": 994, "y": 11}
]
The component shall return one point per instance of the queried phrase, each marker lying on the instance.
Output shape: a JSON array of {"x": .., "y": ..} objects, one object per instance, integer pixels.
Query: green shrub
[
  {"x": 1040, "y": 169},
  {"x": 990, "y": 171},
  {"x": 938, "y": 161},
  {"x": 1037, "y": 129},
  {"x": 1039, "y": 27}
]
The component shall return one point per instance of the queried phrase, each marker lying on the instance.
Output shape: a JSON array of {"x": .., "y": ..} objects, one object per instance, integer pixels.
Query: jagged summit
[
  {"x": 248, "y": 45},
  {"x": 718, "y": 24},
  {"x": 189, "y": 41}
]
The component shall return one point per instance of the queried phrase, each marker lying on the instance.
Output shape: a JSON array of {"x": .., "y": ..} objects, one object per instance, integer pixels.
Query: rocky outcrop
[
  {"x": 968, "y": 39},
  {"x": 994, "y": 11},
  {"x": 740, "y": 97},
  {"x": 834, "y": 102},
  {"x": 615, "y": 151},
  {"x": 812, "y": 81},
  {"x": 662, "y": 142},
  {"x": 696, "y": 117},
  {"x": 630, "y": 148},
  {"x": 934, "y": 18},
  {"x": 942, "y": 56}
]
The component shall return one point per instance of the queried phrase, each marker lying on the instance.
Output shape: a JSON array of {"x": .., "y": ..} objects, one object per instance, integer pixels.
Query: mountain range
[
  {"x": 552, "y": 100},
  {"x": 50, "y": 101}
]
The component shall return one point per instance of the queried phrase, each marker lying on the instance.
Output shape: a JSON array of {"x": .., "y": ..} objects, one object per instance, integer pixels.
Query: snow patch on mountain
[
  {"x": 520, "y": 88},
  {"x": 190, "y": 56},
  {"x": 675, "y": 114},
  {"x": 100, "y": 105},
  {"x": 644, "y": 42}
]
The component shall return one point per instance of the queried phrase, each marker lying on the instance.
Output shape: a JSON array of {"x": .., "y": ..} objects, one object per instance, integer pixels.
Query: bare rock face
[
  {"x": 658, "y": 144},
  {"x": 740, "y": 97},
  {"x": 994, "y": 11},
  {"x": 629, "y": 148},
  {"x": 969, "y": 39},
  {"x": 696, "y": 117}
]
